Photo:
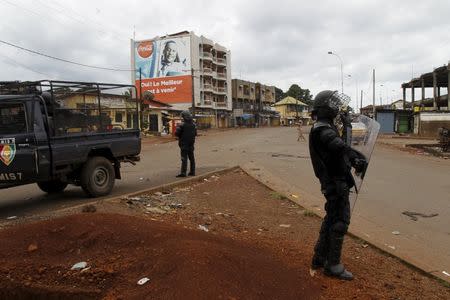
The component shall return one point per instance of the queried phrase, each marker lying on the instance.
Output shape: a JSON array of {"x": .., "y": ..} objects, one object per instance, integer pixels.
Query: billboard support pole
[
  {"x": 140, "y": 113},
  {"x": 193, "y": 93}
]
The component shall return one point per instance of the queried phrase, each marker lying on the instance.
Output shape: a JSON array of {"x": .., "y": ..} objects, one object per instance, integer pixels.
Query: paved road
[{"x": 396, "y": 182}]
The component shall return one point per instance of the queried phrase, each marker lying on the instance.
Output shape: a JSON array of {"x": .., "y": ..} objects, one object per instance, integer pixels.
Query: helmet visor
[{"x": 339, "y": 101}]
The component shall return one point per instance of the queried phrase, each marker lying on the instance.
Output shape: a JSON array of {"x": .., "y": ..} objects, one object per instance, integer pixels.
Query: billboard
[{"x": 165, "y": 66}]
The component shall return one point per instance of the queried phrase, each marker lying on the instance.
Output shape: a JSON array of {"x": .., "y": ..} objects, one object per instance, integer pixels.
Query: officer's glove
[
  {"x": 358, "y": 161},
  {"x": 360, "y": 165},
  {"x": 345, "y": 119}
]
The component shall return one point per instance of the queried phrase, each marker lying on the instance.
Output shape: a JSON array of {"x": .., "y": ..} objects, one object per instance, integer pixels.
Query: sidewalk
[{"x": 413, "y": 144}]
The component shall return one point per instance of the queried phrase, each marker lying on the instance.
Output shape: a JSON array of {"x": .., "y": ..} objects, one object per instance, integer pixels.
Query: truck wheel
[
  {"x": 97, "y": 177},
  {"x": 52, "y": 187}
]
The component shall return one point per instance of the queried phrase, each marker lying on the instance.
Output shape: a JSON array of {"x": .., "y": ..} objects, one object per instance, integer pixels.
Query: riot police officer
[
  {"x": 186, "y": 133},
  {"x": 332, "y": 160}
]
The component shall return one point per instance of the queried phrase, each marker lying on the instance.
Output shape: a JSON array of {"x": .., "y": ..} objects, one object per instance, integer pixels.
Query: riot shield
[{"x": 363, "y": 137}]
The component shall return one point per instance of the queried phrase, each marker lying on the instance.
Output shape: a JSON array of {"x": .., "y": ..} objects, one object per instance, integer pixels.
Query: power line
[
  {"x": 83, "y": 18},
  {"x": 11, "y": 61},
  {"x": 65, "y": 60},
  {"x": 60, "y": 18},
  {"x": 41, "y": 16}
]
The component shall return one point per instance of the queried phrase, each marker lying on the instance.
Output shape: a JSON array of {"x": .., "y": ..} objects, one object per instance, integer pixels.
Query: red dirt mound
[{"x": 120, "y": 250}]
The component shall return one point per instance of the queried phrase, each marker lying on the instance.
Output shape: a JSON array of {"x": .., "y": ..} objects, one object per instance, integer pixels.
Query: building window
[{"x": 119, "y": 117}]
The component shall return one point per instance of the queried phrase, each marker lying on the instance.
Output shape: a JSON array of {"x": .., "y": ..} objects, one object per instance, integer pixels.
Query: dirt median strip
[{"x": 258, "y": 245}]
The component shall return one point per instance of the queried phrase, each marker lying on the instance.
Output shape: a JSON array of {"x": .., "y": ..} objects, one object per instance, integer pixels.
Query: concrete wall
[{"x": 430, "y": 122}]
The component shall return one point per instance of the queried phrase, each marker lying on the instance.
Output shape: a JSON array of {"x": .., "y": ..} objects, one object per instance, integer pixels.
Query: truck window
[
  {"x": 68, "y": 121},
  {"x": 12, "y": 118}
]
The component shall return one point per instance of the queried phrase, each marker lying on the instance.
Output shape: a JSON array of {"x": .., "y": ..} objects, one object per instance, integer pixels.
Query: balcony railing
[
  {"x": 207, "y": 86},
  {"x": 207, "y": 55},
  {"x": 221, "y": 90},
  {"x": 222, "y": 61},
  {"x": 207, "y": 70},
  {"x": 221, "y": 75},
  {"x": 221, "y": 104}
]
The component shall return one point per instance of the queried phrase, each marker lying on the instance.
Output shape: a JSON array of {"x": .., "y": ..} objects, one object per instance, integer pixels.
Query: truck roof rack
[{"x": 60, "y": 88}]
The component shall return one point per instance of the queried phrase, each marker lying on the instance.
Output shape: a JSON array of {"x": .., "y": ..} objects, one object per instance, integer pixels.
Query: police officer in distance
[
  {"x": 332, "y": 160},
  {"x": 186, "y": 133}
]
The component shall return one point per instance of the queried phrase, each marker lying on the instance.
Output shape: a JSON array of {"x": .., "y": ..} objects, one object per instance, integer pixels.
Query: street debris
[
  {"x": 85, "y": 270},
  {"x": 392, "y": 247},
  {"x": 396, "y": 232},
  {"x": 365, "y": 245},
  {"x": 176, "y": 205},
  {"x": 413, "y": 215},
  {"x": 79, "y": 266},
  {"x": 312, "y": 272},
  {"x": 294, "y": 196},
  {"x": 446, "y": 273},
  {"x": 135, "y": 199},
  {"x": 186, "y": 189},
  {"x": 143, "y": 281},
  {"x": 285, "y": 225},
  {"x": 156, "y": 210},
  {"x": 89, "y": 209},
  {"x": 32, "y": 247},
  {"x": 160, "y": 202},
  {"x": 11, "y": 218},
  {"x": 204, "y": 228}
]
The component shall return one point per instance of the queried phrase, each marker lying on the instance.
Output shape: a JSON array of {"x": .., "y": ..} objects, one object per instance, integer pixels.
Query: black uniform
[
  {"x": 332, "y": 160},
  {"x": 331, "y": 163},
  {"x": 186, "y": 133}
]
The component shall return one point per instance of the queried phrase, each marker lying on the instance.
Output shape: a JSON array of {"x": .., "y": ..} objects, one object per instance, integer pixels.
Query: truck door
[{"x": 17, "y": 144}]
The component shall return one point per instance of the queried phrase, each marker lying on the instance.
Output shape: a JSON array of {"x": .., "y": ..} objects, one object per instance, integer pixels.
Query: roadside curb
[
  {"x": 265, "y": 179},
  {"x": 157, "y": 188},
  {"x": 165, "y": 186}
]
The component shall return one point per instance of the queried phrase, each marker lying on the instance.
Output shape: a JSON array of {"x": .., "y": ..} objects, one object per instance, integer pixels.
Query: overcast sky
[{"x": 274, "y": 42}]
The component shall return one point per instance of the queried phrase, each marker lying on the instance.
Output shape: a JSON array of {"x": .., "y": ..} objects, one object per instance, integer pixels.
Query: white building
[{"x": 186, "y": 71}]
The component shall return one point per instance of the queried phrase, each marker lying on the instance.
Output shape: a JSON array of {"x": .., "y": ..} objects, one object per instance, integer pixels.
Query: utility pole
[
  {"x": 193, "y": 93},
  {"x": 361, "y": 106},
  {"x": 373, "y": 95},
  {"x": 356, "y": 94},
  {"x": 140, "y": 114}
]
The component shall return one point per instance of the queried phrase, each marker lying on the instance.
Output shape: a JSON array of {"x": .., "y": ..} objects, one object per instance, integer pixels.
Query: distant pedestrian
[
  {"x": 300, "y": 131},
  {"x": 186, "y": 133}
]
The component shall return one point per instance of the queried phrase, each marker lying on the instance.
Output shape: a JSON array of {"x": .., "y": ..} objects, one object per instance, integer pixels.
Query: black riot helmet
[
  {"x": 186, "y": 115},
  {"x": 328, "y": 103}
]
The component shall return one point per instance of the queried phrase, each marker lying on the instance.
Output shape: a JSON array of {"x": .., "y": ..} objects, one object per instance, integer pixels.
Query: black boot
[
  {"x": 320, "y": 249},
  {"x": 338, "y": 271},
  {"x": 333, "y": 267}
]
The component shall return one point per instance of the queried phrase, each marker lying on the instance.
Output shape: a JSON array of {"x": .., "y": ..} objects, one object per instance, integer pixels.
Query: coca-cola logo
[{"x": 145, "y": 49}]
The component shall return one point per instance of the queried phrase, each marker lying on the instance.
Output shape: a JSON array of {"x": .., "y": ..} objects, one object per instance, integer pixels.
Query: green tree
[
  {"x": 279, "y": 94},
  {"x": 298, "y": 93}
]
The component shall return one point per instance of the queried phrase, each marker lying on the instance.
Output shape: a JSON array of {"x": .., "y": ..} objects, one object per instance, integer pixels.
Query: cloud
[{"x": 273, "y": 42}]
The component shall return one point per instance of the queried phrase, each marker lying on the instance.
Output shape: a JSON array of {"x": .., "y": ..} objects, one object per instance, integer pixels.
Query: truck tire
[
  {"x": 97, "y": 177},
  {"x": 53, "y": 186}
]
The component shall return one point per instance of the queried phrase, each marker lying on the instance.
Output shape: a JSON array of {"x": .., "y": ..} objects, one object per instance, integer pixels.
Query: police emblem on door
[{"x": 7, "y": 150}]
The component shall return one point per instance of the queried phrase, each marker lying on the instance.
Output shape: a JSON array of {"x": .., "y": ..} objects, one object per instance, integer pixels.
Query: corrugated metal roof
[{"x": 290, "y": 100}]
